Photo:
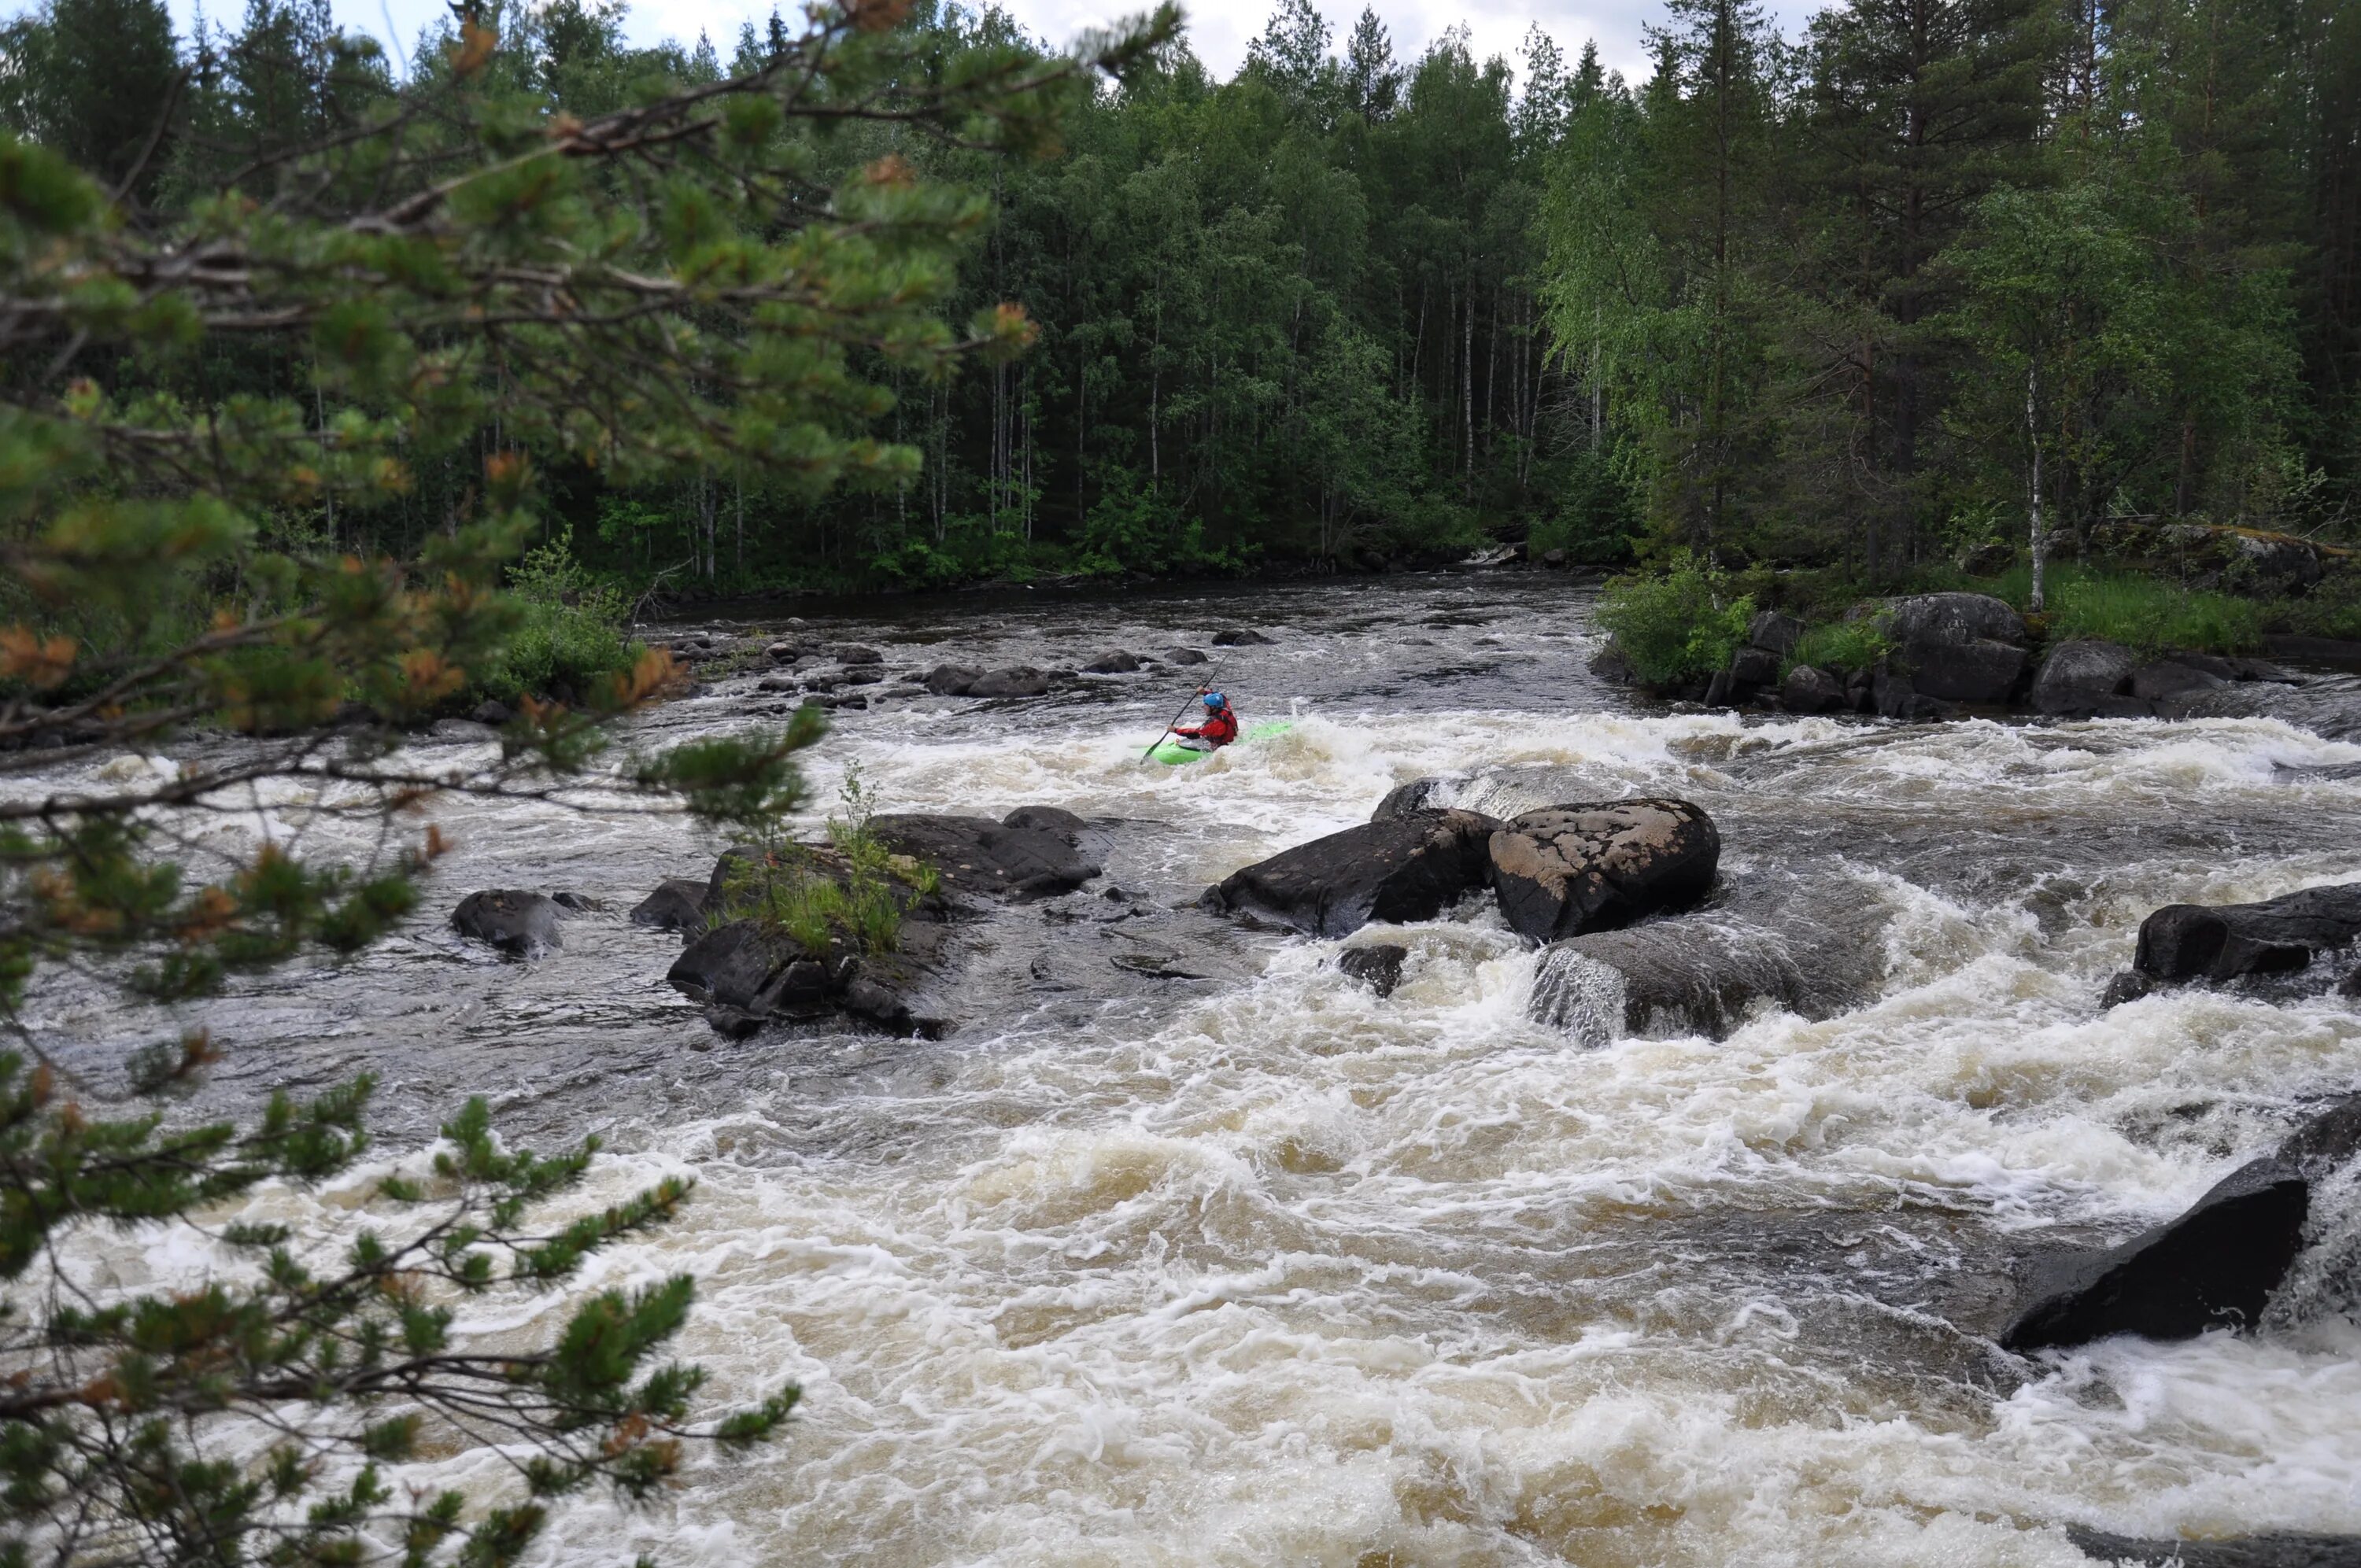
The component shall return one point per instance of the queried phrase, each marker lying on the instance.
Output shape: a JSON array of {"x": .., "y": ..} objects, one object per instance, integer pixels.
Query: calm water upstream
[{"x": 1260, "y": 1269}]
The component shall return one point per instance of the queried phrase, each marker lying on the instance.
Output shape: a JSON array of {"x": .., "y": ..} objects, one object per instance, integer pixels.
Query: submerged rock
[
  {"x": 2212, "y": 1267},
  {"x": 1807, "y": 945},
  {"x": 2193, "y": 941},
  {"x": 2278, "y": 1550},
  {"x": 518, "y": 923},
  {"x": 1378, "y": 966},
  {"x": 1019, "y": 680},
  {"x": 1412, "y": 867},
  {"x": 1571, "y": 869}
]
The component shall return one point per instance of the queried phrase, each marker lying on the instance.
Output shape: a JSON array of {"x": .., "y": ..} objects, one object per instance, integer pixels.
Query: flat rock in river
[
  {"x": 676, "y": 904},
  {"x": 2212, "y": 1267},
  {"x": 1412, "y": 867},
  {"x": 2194, "y": 941},
  {"x": 1028, "y": 856},
  {"x": 1018, "y": 680},
  {"x": 1571, "y": 869}
]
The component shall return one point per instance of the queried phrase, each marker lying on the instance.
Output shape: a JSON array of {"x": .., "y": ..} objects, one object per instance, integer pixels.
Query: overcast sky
[{"x": 1218, "y": 30}]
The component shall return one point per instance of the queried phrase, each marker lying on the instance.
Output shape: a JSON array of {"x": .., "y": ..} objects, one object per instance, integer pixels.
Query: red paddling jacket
[{"x": 1221, "y": 726}]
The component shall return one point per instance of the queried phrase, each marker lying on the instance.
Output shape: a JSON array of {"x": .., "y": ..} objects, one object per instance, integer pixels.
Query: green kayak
[{"x": 1171, "y": 752}]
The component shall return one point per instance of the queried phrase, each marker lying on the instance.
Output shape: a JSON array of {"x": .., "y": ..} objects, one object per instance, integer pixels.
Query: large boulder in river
[
  {"x": 1958, "y": 647},
  {"x": 2212, "y": 1267},
  {"x": 2086, "y": 678},
  {"x": 1571, "y": 869},
  {"x": 517, "y": 922},
  {"x": 746, "y": 974},
  {"x": 2199, "y": 941},
  {"x": 1020, "y": 858},
  {"x": 1240, "y": 636},
  {"x": 1412, "y": 867},
  {"x": 1018, "y": 680},
  {"x": 952, "y": 680},
  {"x": 1405, "y": 799}
]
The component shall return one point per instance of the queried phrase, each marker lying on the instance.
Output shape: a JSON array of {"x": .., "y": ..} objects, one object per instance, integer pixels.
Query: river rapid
[{"x": 1259, "y": 1269}]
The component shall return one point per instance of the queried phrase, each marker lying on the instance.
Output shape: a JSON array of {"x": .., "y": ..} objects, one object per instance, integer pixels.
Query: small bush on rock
[
  {"x": 1842, "y": 645},
  {"x": 1679, "y": 625}
]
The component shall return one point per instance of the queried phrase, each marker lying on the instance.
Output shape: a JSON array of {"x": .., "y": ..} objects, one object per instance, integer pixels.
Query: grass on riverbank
[{"x": 2146, "y": 614}]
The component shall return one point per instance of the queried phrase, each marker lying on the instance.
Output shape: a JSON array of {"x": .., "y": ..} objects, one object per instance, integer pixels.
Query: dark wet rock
[
  {"x": 1717, "y": 690},
  {"x": 1555, "y": 560},
  {"x": 1608, "y": 663},
  {"x": 2314, "y": 650},
  {"x": 492, "y": 712},
  {"x": 822, "y": 683},
  {"x": 2126, "y": 985},
  {"x": 1894, "y": 696},
  {"x": 1185, "y": 656},
  {"x": 847, "y": 699},
  {"x": 578, "y": 903},
  {"x": 1407, "y": 799},
  {"x": 2082, "y": 678},
  {"x": 1809, "y": 690},
  {"x": 2212, "y": 1267},
  {"x": 952, "y": 680},
  {"x": 2167, "y": 678},
  {"x": 784, "y": 653},
  {"x": 1754, "y": 668},
  {"x": 1018, "y": 680},
  {"x": 1378, "y": 966},
  {"x": 746, "y": 974},
  {"x": 1240, "y": 636},
  {"x": 2350, "y": 985},
  {"x": 1812, "y": 944},
  {"x": 2278, "y": 1550},
  {"x": 854, "y": 654},
  {"x": 1778, "y": 633},
  {"x": 1115, "y": 663},
  {"x": 778, "y": 683},
  {"x": 514, "y": 922},
  {"x": 1957, "y": 647},
  {"x": 676, "y": 904},
  {"x": 1051, "y": 819},
  {"x": 2193, "y": 941},
  {"x": 2326, "y": 1140},
  {"x": 863, "y": 675},
  {"x": 980, "y": 858},
  {"x": 1406, "y": 867},
  {"x": 1570, "y": 868}
]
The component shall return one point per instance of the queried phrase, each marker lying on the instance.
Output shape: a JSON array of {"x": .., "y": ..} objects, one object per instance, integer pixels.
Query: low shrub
[
  {"x": 1678, "y": 625},
  {"x": 569, "y": 629},
  {"x": 1842, "y": 645},
  {"x": 855, "y": 888}
]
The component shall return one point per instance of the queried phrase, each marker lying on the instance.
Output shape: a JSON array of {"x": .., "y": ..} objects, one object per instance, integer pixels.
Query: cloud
[{"x": 1219, "y": 30}]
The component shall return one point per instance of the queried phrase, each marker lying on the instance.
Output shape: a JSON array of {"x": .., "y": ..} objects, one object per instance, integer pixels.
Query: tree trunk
[{"x": 2039, "y": 542}]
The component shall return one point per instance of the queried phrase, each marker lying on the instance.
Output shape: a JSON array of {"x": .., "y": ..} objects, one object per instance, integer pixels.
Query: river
[{"x": 1259, "y": 1269}]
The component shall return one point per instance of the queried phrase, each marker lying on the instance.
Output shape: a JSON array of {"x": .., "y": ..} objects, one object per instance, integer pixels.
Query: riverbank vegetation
[{"x": 1870, "y": 298}]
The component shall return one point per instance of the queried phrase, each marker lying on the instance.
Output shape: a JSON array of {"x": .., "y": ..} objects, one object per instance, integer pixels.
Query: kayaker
[{"x": 1221, "y": 725}]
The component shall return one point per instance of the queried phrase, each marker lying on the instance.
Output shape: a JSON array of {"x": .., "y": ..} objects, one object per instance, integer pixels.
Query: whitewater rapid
[{"x": 1278, "y": 1272}]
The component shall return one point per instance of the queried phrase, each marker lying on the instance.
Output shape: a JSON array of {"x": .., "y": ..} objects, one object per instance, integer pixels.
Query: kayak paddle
[{"x": 1150, "y": 752}]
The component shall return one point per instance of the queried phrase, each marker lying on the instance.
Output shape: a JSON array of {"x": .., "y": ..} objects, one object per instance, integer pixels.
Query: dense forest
[{"x": 1869, "y": 298}]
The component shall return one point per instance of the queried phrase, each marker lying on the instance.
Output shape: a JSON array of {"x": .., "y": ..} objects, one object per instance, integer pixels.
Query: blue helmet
[{"x": 1216, "y": 699}]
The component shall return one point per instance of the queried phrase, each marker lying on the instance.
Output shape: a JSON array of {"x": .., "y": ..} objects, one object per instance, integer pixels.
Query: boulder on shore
[
  {"x": 514, "y": 922},
  {"x": 1809, "y": 690},
  {"x": 1412, "y": 867},
  {"x": 2086, "y": 678},
  {"x": 1958, "y": 647},
  {"x": 2194, "y": 941},
  {"x": 1571, "y": 869},
  {"x": 676, "y": 904},
  {"x": 2212, "y": 1267},
  {"x": 1775, "y": 632},
  {"x": 1404, "y": 800}
]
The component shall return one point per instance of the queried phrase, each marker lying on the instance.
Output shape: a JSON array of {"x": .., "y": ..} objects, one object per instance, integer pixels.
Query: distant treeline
[{"x": 1858, "y": 300}]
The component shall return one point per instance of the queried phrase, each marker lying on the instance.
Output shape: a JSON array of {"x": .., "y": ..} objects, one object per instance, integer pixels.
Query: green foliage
[
  {"x": 857, "y": 888},
  {"x": 567, "y": 633},
  {"x": 1679, "y": 624},
  {"x": 1844, "y": 645}
]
